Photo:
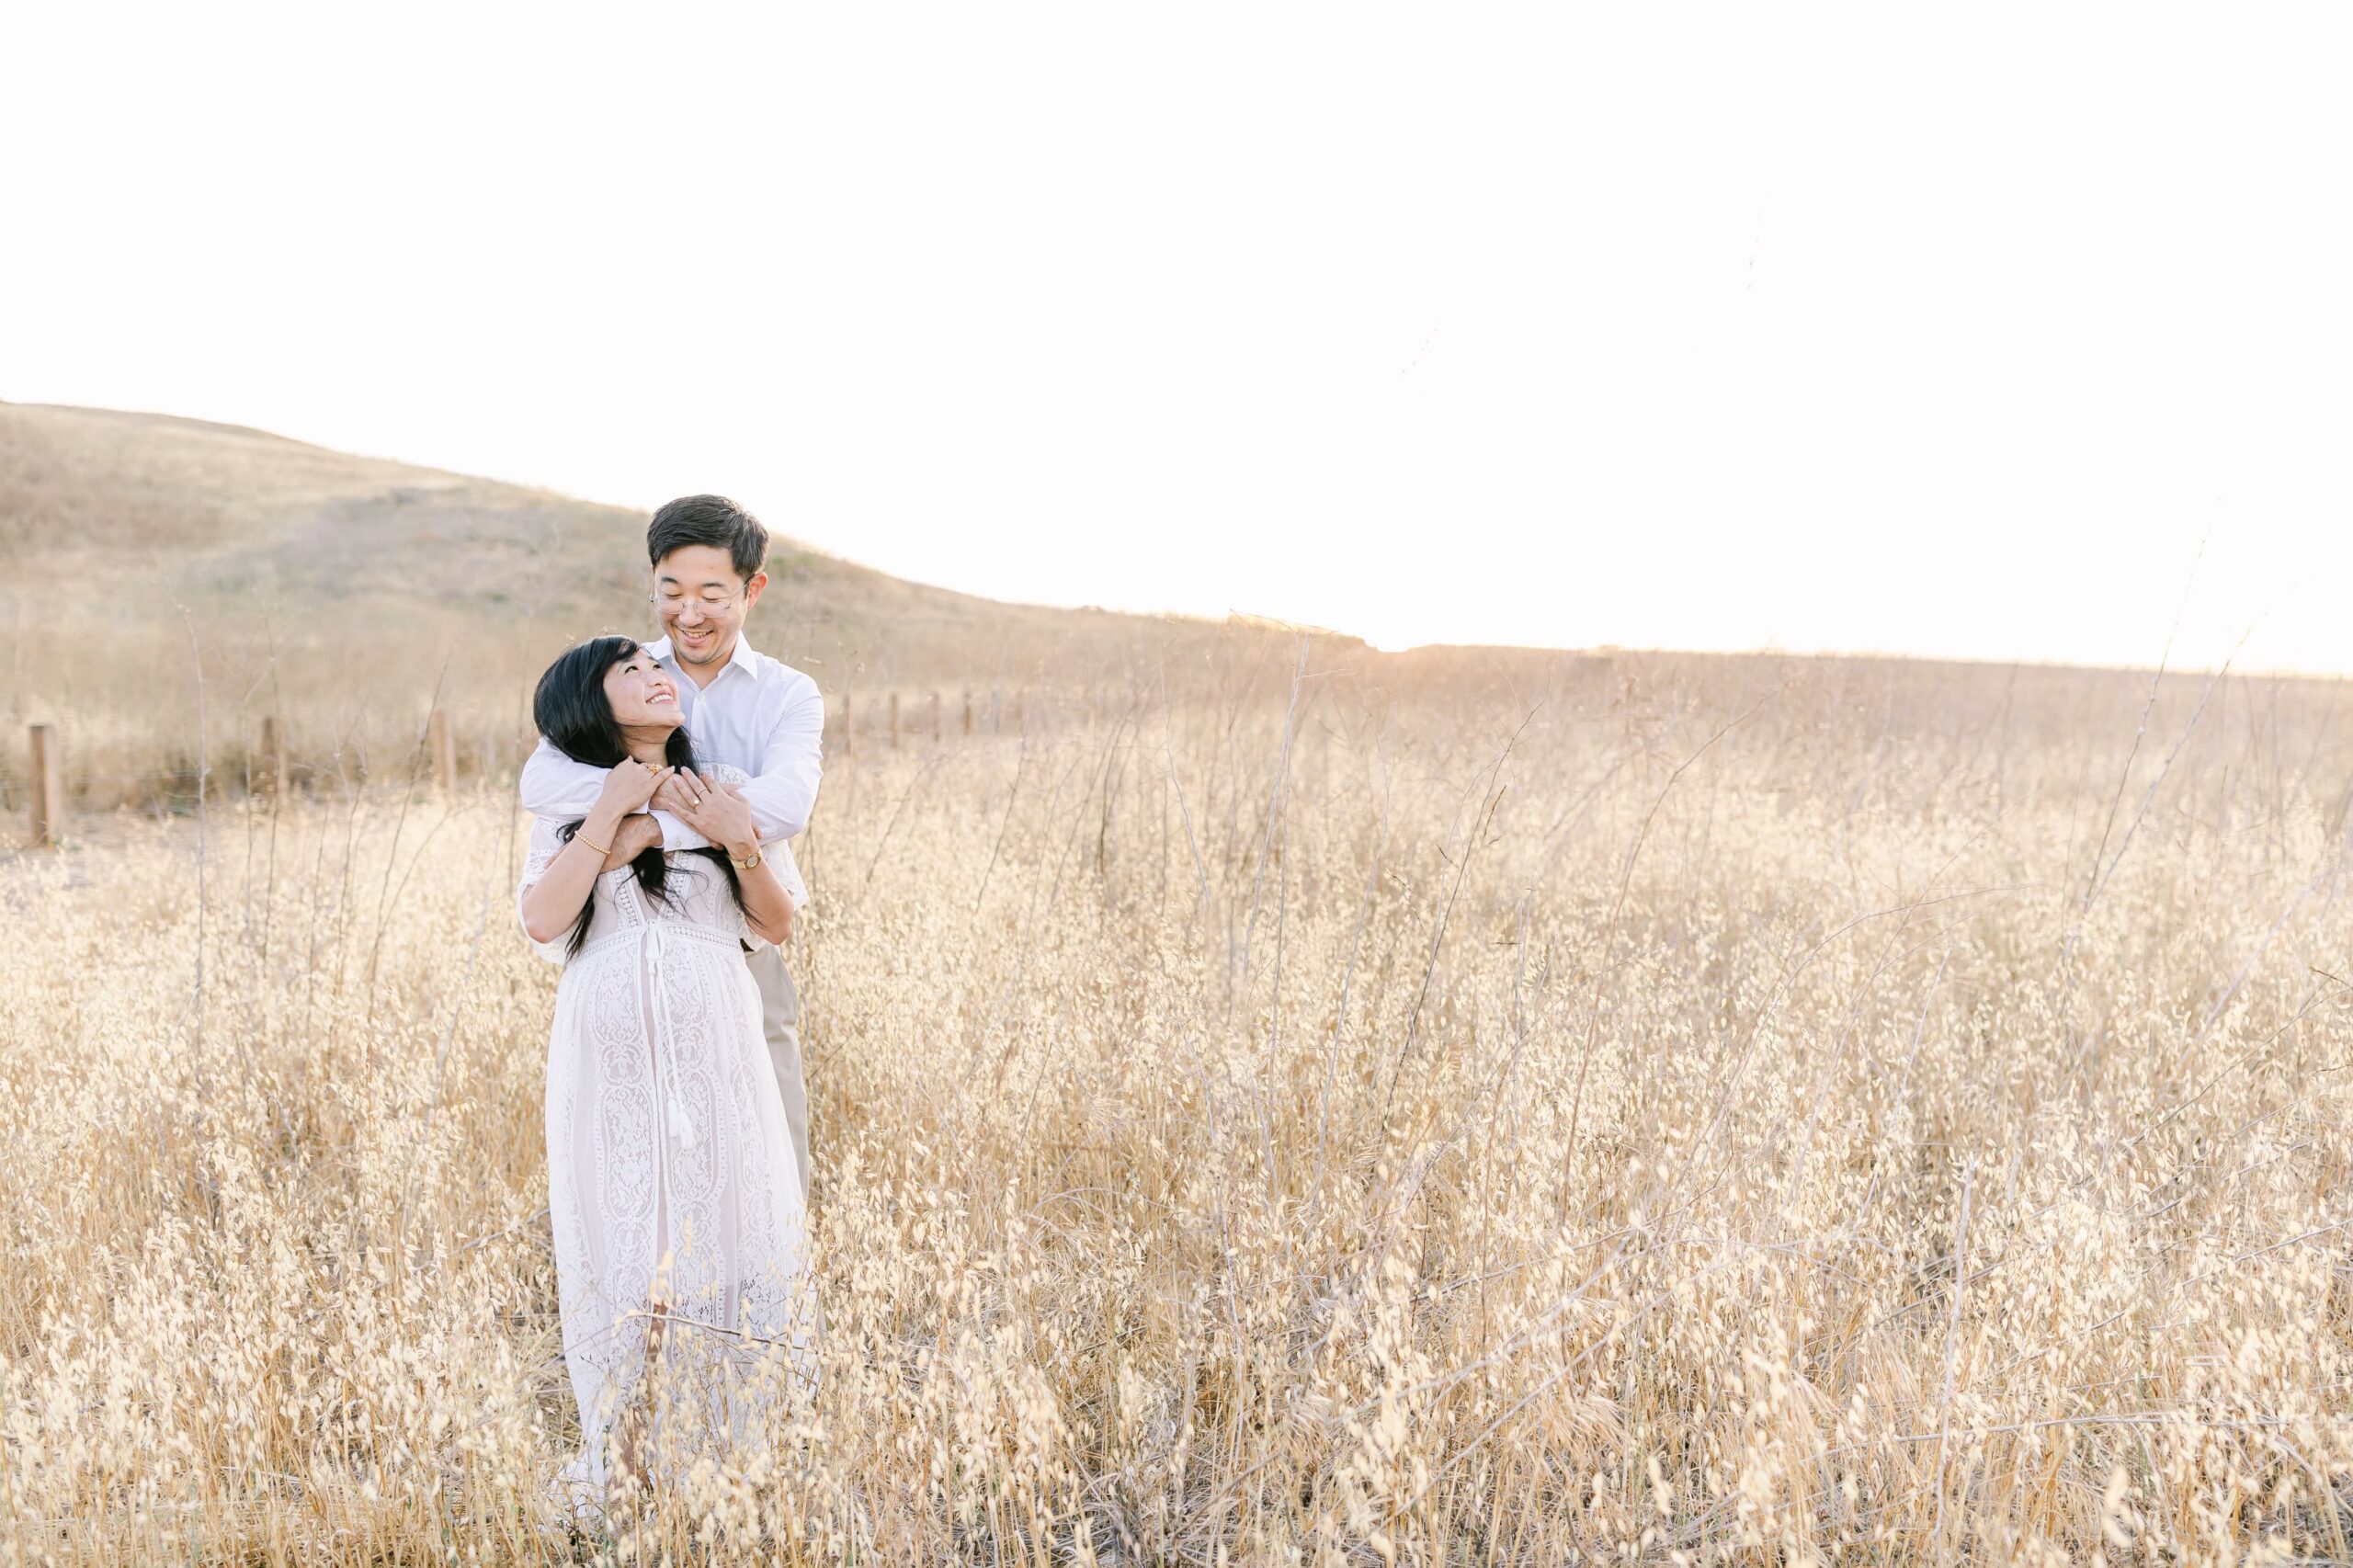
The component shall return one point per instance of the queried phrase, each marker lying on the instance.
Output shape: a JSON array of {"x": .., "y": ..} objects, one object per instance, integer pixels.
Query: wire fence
[{"x": 47, "y": 779}]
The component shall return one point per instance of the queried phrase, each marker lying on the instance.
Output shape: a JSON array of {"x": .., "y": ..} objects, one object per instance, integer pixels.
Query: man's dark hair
[{"x": 713, "y": 520}]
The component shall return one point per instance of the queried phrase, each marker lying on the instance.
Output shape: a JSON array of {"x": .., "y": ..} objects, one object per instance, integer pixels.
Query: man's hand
[
  {"x": 718, "y": 812},
  {"x": 637, "y": 834}
]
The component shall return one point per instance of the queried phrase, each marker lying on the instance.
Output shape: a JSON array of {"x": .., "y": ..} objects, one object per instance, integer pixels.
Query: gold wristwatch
[{"x": 748, "y": 864}]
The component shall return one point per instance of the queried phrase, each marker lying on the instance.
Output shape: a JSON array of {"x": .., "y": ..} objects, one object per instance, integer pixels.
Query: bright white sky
[{"x": 1648, "y": 325}]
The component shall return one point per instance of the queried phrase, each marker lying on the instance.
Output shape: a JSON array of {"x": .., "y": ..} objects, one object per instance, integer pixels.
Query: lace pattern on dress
[{"x": 702, "y": 1225}]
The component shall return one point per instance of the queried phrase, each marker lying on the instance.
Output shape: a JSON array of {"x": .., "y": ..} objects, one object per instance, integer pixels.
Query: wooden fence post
[
  {"x": 934, "y": 718},
  {"x": 48, "y": 793},
  {"x": 968, "y": 711},
  {"x": 895, "y": 721},
  {"x": 444, "y": 755},
  {"x": 849, "y": 725},
  {"x": 273, "y": 758}
]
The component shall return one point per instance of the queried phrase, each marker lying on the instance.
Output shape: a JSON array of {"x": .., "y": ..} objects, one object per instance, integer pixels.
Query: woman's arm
[
  {"x": 767, "y": 909},
  {"x": 551, "y": 905}
]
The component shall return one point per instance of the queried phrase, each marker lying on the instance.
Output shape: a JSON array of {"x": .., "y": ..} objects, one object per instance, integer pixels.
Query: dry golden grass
[{"x": 1776, "y": 1113}]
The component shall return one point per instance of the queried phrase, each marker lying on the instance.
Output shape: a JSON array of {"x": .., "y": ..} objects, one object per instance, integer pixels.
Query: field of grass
[{"x": 1561, "y": 1109}]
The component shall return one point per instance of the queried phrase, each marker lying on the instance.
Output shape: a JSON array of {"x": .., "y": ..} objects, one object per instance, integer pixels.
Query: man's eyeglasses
[{"x": 676, "y": 604}]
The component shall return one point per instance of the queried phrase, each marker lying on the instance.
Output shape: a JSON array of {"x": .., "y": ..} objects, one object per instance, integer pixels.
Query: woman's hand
[
  {"x": 629, "y": 787},
  {"x": 720, "y": 814}
]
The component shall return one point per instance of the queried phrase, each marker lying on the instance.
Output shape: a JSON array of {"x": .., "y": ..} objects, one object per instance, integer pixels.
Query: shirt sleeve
[
  {"x": 785, "y": 790},
  {"x": 559, "y": 787},
  {"x": 677, "y": 836},
  {"x": 545, "y": 845}
]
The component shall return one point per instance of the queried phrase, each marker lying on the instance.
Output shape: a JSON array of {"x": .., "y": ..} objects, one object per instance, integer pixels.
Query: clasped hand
[
  {"x": 630, "y": 785},
  {"x": 717, "y": 811}
]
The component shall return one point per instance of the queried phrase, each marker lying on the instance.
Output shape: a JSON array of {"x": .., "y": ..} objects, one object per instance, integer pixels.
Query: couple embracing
[{"x": 667, "y": 778}]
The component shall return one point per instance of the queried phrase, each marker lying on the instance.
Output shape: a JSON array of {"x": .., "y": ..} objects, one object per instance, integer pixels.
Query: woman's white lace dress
[{"x": 671, "y": 1177}]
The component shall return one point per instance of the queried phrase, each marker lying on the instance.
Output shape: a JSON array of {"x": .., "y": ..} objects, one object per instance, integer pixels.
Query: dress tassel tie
[{"x": 681, "y": 1125}]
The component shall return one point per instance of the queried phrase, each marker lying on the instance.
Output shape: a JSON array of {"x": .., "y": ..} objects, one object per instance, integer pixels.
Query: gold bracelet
[{"x": 603, "y": 851}]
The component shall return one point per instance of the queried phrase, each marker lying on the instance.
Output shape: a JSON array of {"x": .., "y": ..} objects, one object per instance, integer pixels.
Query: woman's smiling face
[{"x": 643, "y": 694}]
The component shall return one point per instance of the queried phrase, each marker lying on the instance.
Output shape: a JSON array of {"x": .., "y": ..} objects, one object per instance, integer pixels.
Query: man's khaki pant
[{"x": 780, "y": 1021}]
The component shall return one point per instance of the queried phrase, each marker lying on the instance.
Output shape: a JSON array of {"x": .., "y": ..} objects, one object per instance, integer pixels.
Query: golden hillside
[
  {"x": 339, "y": 593},
  {"x": 241, "y": 524}
]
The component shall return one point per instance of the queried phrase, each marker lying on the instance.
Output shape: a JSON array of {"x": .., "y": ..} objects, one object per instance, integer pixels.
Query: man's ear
[{"x": 752, "y": 590}]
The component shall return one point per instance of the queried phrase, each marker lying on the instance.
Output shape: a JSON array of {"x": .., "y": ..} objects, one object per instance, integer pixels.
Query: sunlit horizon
[{"x": 1378, "y": 634}]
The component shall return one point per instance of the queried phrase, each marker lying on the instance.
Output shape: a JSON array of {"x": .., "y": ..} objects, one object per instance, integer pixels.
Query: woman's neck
[{"x": 652, "y": 749}]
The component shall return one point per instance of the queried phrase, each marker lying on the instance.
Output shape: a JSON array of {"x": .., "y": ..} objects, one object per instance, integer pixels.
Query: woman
[{"x": 672, "y": 1188}]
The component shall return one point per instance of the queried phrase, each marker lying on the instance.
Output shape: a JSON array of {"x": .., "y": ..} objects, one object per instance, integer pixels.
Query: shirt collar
[{"x": 743, "y": 655}]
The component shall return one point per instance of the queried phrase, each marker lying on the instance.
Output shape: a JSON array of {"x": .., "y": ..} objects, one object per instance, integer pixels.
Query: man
[{"x": 741, "y": 708}]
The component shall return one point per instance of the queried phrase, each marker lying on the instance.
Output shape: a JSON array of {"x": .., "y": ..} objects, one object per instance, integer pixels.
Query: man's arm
[
  {"x": 564, "y": 789},
  {"x": 783, "y": 789},
  {"x": 777, "y": 855}
]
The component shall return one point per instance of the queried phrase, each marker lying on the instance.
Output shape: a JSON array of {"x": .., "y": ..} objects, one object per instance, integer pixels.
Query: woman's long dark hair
[{"x": 572, "y": 712}]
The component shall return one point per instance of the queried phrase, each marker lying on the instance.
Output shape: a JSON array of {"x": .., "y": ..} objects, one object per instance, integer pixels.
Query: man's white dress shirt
[{"x": 758, "y": 714}]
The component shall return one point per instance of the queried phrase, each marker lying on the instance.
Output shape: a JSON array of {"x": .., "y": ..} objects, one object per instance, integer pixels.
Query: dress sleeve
[
  {"x": 545, "y": 845},
  {"x": 788, "y": 873}
]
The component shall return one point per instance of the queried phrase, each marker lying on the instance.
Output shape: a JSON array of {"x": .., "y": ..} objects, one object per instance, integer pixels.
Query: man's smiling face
[{"x": 702, "y": 603}]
